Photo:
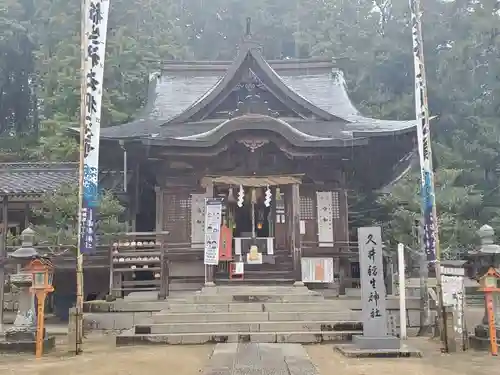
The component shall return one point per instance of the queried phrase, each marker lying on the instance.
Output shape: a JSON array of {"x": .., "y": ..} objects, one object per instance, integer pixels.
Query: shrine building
[{"x": 279, "y": 141}]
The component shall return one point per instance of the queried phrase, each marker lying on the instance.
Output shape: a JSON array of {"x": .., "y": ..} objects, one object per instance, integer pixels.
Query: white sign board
[
  {"x": 239, "y": 268},
  {"x": 213, "y": 216},
  {"x": 317, "y": 270},
  {"x": 453, "y": 287}
]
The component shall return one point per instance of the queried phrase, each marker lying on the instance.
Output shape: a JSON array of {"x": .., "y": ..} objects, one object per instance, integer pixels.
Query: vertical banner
[
  {"x": 213, "y": 217},
  {"x": 424, "y": 137},
  {"x": 95, "y": 20}
]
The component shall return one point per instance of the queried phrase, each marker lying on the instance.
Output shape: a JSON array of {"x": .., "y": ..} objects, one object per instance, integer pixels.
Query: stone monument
[
  {"x": 375, "y": 340},
  {"x": 22, "y": 336},
  {"x": 373, "y": 295},
  {"x": 487, "y": 256}
]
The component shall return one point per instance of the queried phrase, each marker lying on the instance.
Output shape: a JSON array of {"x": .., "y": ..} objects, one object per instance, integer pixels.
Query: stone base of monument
[
  {"x": 23, "y": 341},
  {"x": 481, "y": 338},
  {"x": 376, "y": 342},
  {"x": 353, "y": 351},
  {"x": 26, "y": 346},
  {"x": 377, "y": 347}
]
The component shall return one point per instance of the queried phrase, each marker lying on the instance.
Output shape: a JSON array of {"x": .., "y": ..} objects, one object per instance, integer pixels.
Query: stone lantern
[
  {"x": 24, "y": 328},
  {"x": 487, "y": 256}
]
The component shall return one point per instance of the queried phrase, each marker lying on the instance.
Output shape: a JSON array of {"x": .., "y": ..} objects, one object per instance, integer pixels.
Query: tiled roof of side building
[{"x": 35, "y": 178}]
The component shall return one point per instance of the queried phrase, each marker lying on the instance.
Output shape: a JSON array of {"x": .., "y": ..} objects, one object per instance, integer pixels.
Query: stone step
[
  {"x": 328, "y": 305},
  {"x": 254, "y": 297},
  {"x": 228, "y": 317},
  {"x": 255, "y": 280},
  {"x": 256, "y": 289},
  {"x": 241, "y": 327},
  {"x": 232, "y": 337}
]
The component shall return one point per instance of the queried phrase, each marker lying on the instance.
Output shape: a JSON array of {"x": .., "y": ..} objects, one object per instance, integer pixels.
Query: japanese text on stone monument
[{"x": 373, "y": 296}]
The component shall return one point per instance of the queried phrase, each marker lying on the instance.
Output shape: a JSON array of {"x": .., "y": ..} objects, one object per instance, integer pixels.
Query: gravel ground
[
  {"x": 100, "y": 357},
  {"x": 433, "y": 362}
]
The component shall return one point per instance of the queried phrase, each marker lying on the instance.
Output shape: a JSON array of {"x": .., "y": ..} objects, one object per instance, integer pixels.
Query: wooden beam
[{"x": 295, "y": 234}]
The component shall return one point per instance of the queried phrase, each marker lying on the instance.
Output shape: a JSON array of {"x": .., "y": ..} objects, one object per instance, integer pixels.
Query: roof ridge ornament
[
  {"x": 248, "y": 43},
  {"x": 248, "y": 33}
]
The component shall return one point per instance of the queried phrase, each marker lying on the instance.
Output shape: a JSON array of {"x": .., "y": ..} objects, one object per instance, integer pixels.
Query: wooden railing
[
  {"x": 156, "y": 257},
  {"x": 64, "y": 257},
  {"x": 132, "y": 255}
]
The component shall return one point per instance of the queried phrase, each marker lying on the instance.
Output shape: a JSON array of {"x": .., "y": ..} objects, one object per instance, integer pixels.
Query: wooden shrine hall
[{"x": 279, "y": 141}]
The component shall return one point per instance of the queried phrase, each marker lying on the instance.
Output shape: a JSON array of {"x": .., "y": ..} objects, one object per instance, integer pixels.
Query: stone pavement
[{"x": 260, "y": 359}]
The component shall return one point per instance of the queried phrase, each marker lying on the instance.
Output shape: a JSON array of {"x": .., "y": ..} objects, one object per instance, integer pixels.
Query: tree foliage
[
  {"x": 57, "y": 217},
  {"x": 370, "y": 40}
]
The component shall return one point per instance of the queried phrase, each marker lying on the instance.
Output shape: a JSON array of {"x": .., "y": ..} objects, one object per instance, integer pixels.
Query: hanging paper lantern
[
  {"x": 241, "y": 196},
  {"x": 268, "y": 196}
]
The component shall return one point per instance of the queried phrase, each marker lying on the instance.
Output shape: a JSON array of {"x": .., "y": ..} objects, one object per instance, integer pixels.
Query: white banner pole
[{"x": 402, "y": 291}]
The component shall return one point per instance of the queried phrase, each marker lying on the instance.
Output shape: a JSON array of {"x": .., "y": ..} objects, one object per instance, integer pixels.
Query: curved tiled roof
[
  {"x": 177, "y": 97},
  {"x": 214, "y": 133},
  {"x": 35, "y": 178},
  {"x": 172, "y": 95}
]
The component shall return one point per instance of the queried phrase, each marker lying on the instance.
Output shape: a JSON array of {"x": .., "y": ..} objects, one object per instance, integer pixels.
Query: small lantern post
[
  {"x": 486, "y": 257},
  {"x": 489, "y": 284},
  {"x": 43, "y": 273},
  {"x": 24, "y": 329}
]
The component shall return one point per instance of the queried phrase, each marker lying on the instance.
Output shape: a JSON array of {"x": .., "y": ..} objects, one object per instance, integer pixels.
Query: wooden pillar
[
  {"x": 209, "y": 269},
  {"x": 27, "y": 216},
  {"x": 295, "y": 235},
  {"x": 3, "y": 257},
  {"x": 5, "y": 218},
  {"x": 135, "y": 197},
  {"x": 341, "y": 237},
  {"x": 159, "y": 208},
  {"x": 165, "y": 272}
]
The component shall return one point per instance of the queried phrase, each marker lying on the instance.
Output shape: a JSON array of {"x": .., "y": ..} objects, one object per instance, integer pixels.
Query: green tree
[
  {"x": 370, "y": 41},
  {"x": 57, "y": 217}
]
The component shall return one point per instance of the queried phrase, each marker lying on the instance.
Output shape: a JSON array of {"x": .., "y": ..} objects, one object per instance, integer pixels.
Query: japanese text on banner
[
  {"x": 424, "y": 138},
  {"x": 95, "y": 25}
]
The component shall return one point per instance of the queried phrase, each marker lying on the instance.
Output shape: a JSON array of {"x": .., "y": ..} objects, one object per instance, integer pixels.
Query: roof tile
[{"x": 35, "y": 178}]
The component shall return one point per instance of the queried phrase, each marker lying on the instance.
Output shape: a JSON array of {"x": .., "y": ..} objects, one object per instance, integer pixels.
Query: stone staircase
[{"x": 264, "y": 314}]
